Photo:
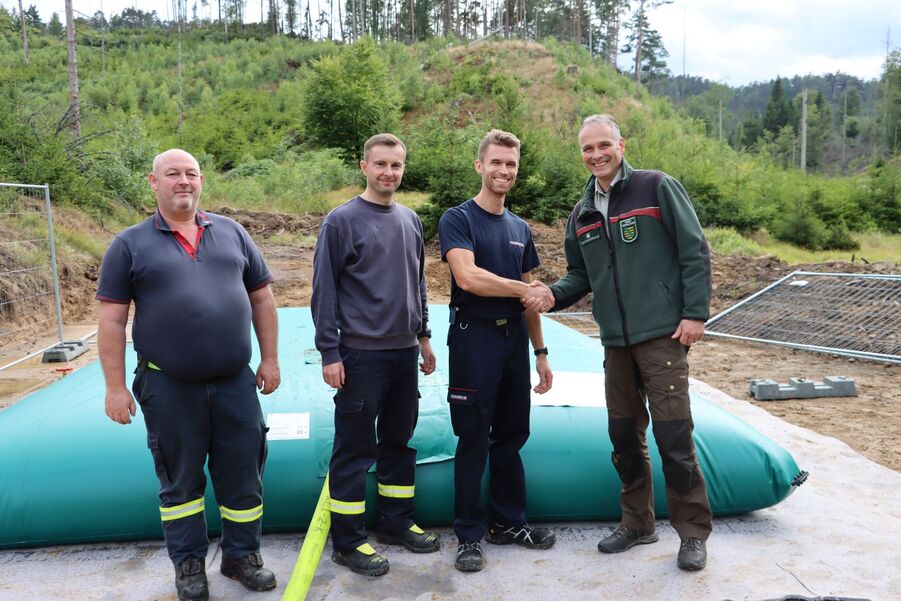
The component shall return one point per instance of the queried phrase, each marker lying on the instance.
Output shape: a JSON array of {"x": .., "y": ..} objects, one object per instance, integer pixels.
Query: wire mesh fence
[
  {"x": 857, "y": 315},
  {"x": 29, "y": 287},
  {"x": 581, "y": 321}
]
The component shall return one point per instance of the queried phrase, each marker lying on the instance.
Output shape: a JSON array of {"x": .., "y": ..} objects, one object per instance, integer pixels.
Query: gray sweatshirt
[{"x": 369, "y": 279}]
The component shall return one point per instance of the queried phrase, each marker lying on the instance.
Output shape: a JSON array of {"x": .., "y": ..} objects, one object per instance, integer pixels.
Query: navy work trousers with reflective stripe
[
  {"x": 188, "y": 422},
  {"x": 490, "y": 400},
  {"x": 375, "y": 415}
]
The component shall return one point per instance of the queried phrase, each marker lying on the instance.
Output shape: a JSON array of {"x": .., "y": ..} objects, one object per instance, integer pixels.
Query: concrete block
[
  {"x": 764, "y": 389},
  {"x": 65, "y": 351}
]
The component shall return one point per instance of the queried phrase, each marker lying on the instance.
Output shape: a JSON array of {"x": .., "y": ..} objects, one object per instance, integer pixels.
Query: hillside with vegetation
[{"x": 278, "y": 122}]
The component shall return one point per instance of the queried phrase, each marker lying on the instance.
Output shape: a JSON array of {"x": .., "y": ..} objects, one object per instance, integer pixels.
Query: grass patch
[{"x": 874, "y": 247}]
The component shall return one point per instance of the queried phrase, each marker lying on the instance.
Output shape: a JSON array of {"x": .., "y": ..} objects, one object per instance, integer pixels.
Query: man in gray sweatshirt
[{"x": 369, "y": 308}]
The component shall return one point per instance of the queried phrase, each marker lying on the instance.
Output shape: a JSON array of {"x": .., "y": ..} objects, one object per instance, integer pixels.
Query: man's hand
[
  {"x": 428, "y": 357},
  {"x": 333, "y": 374},
  {"x": 268, "y": 376},
  {"x": 545, "y": 375},
  {"x": 689, "y": 331},
  {"x": 120, "y": 406},
  {"x": 538, "y": 297}
]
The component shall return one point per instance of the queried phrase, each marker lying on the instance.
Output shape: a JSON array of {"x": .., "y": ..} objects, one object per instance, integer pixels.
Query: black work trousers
[
  {"x": 188, "y": 423},
  {"x": 490, "y": 400},
  {"x": 375, "y": 414}
]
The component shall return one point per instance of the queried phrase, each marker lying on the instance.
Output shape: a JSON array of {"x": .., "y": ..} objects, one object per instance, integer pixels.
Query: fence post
[{"x": 55, "y": 271}]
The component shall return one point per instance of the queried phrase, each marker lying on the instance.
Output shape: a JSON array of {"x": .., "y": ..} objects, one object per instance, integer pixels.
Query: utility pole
[
  {"x": 844, "y": 125},
  {"x": 73, "y": 71},
  {"x": 804, "y": 131},
  {"x": 24, "y": 34}
]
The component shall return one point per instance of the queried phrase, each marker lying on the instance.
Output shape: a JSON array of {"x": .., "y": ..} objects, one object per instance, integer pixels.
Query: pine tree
[{"x": 778, "y": 110}]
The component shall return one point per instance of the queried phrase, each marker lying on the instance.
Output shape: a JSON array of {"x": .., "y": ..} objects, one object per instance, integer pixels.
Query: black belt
[{"x": 457, "y": 316}]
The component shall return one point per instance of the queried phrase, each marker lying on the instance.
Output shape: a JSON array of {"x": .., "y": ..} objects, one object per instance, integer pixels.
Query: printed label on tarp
[{"x": 288, "y": 426}]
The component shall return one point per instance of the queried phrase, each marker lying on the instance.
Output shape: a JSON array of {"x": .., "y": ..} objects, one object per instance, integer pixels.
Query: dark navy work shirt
[
  {"x": 192, "y": 314},
  {"x": 502, "y": 244}
]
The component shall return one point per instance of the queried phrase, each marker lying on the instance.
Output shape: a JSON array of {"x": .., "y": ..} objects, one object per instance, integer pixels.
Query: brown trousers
[{"x": 655, "y": 374}]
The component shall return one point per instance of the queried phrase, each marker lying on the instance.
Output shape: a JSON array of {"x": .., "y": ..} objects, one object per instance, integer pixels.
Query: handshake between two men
[{"x": 538, "y": 297}]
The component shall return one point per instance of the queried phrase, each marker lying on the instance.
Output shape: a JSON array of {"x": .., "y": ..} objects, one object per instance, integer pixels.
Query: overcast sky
[{"x": 731, "y": 41}]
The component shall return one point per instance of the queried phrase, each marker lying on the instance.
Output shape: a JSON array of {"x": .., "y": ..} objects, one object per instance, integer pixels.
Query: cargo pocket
[{"x": 159, "y": 461}]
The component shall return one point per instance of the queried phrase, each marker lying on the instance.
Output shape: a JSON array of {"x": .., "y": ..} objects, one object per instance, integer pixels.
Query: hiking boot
[
  {"x": 469, "y": 557},
  {"x": 362, "y": 560},
  {"x": 413, "y": 539},
  {"x": 524, "y": 536},
  {"x": 249, "y": 571},
  {"x": 624, "y": 539},
  {"x": 190, "y": 580},
  {"x": 692, "y": 554}
]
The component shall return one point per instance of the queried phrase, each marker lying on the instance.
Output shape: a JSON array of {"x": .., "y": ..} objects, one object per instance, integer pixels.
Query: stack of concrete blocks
[{"x": 802, "y": 388}]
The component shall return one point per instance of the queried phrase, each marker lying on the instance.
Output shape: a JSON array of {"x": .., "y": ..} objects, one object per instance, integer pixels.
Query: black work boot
[
  {"x": 624, "y": 539},
  {"x": 524, "y": 536},
  {"x": 469, "y": 557},
  {"x": 413, "y": 539},
  {"x": 249, "y": 571},
  {"x": 692, "y": 554},
  {"x": 190, "y": 580},
  {"x": 362, "y": 560}
]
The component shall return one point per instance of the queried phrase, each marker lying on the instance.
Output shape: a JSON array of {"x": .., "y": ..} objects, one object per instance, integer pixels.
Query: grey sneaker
[
  {"x": 692, "y": 554},
  {"x": 469, "y": 557},
  {"x": 524, "y": 536},
  {"x": 624, "y": 539}
]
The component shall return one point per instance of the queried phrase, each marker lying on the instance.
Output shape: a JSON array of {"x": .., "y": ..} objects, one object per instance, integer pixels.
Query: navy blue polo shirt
[
  {"x": 192, "y": 313},
  {"x": 502, "y": 244}
]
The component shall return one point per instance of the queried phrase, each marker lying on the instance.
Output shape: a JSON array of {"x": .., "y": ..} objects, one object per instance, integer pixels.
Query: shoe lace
[
  {"x": 692, "y": 544},
  {"x": 464, "y": 547},
  {"x": 622, "y": 532},
  {"x": 253, "y": 559}
]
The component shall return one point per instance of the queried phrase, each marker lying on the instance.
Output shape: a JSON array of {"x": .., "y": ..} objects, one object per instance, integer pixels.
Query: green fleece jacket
[{"x": 648, "y": 268}]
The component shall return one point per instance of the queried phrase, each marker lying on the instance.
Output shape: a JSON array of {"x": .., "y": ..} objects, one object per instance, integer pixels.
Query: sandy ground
[{"x": 868, "y": 423}]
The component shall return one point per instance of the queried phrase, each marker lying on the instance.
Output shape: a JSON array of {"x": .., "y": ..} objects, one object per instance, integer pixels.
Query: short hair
[
  {"x": 498, "y": 137},
  {"x": 382, "y": 140},
  {"x": 602, "y": 120}
]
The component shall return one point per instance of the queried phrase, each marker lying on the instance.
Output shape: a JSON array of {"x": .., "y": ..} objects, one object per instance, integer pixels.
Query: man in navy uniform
[
  {"x": 197, "y": 282},
  {"x": 491, "y": 255}
]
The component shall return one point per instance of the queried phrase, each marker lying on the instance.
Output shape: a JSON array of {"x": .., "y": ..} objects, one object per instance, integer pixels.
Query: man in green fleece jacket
[{"x": 635, "y": 242}]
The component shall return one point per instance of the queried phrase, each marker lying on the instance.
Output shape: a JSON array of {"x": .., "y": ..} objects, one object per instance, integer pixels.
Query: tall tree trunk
[
  {"x": 181, "y": 7},
  {"x": 24, "y": 34},
  {"x": 638, "y": 47},
  {"x": 73, "y": 71},
  {"x": 412, "y": 23}
]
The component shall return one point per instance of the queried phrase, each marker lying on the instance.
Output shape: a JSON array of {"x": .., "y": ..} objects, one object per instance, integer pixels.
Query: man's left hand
[
  {"x": 689, "y": 331},
  {"x": 545, "y": 375},
  {"x": 428, "y": 357},
  {"x": 268, "y": 376}
]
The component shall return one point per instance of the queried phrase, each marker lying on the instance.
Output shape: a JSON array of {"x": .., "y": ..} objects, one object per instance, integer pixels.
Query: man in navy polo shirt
[
  {"x": 491, "y": 256},
  {"x": 198, "y": 282}
]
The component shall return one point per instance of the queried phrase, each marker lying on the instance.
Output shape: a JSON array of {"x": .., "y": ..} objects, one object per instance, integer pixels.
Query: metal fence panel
[
  {"x": 857, "y": 315},
  {"x": 29, "y": 282}
]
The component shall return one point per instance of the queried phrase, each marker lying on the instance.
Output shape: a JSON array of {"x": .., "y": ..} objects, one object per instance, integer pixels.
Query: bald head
[
  {"x": 177, "y": 181},
  {"x": 173, "y": 154}
]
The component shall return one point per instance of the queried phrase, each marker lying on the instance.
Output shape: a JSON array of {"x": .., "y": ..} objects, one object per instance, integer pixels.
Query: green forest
[{"x": 277, "y": 113}]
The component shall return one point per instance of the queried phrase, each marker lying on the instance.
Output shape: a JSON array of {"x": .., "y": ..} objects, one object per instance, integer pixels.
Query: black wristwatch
[
  {"x": 540, "y": 351},
  {"x": 425, "y": 334}
]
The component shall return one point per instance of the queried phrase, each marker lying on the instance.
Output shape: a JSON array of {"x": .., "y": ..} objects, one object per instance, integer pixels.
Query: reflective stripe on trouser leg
[
  {"x": 181, "y": 511},
  {"x": 395, "y": 491},
  {"x": 347, "y": 507},
  {"x": 241, "y": 515}
]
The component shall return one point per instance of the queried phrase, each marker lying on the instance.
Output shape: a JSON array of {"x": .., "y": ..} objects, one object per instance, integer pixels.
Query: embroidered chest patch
[{"x": 628, "y": 230}]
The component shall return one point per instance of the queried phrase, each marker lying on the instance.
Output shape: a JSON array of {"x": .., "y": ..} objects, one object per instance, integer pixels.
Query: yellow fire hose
[{"x": 310, "y": 550}]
